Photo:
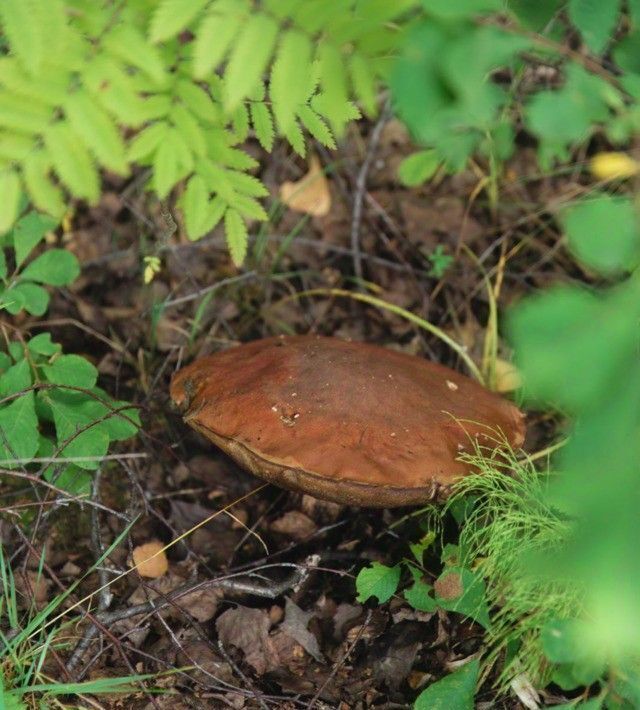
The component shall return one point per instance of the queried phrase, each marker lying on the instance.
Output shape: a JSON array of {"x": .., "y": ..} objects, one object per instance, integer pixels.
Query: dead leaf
[
  {"x": 202, "y": 604},
  {"x": 295, "y": 525},
  {"x": 295, "y": 624},
  {"x": 248, "y": 630},
  {"x": 150, "y": 559},
  {"x": 310, "y": 194}
]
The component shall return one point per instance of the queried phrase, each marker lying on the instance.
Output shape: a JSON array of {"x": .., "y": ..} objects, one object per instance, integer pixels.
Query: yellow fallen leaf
[
  {"x": 310, "y": 194},
  {"x": 508, "y": 377},
  {"x": 613, "y": 165},
  {"x": 150, "y": 559}
]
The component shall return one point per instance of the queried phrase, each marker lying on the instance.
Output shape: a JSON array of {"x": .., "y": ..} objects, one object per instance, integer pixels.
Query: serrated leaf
[
  {"x": 213, "y": 39},
  {"x": 130, "y": 45},
  {"x": 333, "y": 80},
  {"x": 46, "y": 196},
  {"x": 10, "y": 191},
  {"x": 29, "y": 232},
  {"x": 189, "y": 128},
  {"x": 147, "y": 141},
  {"x": 42, "y": 344},
  {"x": 296, "y": 139},
  {"x": 419, "y": 167},
  {"x": 195, "y": 205},
  {"x": 379, "y": 581},
  {"x": 72, "y": 162},
  {"x": 262, "y": 124},
  {"x": 16, "y": 379},
  {"x": 98, "y": 132},
  {"x": 316, "y": 126},
  {"x": 456, "y": 690},
  {"x": 33, "y": 298},
  {"x": 166, "y": 165},
  {"x": 23, "y": 32},
  {"x": 172, "y": 16},
  {"x": 596, "y": 21},
  {"x": 72, "y": 370},
  {"x": 18, "y": 430},
  {"x": 290, "y": 77},
  {"x": 236, "y": 235},
  {"x": 250, "y": 55},
  {"x": 363, "y": 83},
  {"x": 246, "y": 184},
  {"x": 55, "y": 267},
  {"x": 198, "y": 101},
  {"x": 603, "y": 233}
]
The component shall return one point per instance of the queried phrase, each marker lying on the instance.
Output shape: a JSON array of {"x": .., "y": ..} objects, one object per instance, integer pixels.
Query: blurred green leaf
[
  {"x": 56, "y": 267},
  {"x": 418, "y": 167},
  {"x": 29, "y": 232},
  {"x": 457, "y": 690},
  {"x": 603, "y": 233},
  {"x": 379, "y": 581},
  {"x": 596, "y": 20}
]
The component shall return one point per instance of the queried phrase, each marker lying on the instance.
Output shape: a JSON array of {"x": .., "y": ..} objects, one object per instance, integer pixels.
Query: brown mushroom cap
[{"x": 344, "y": 421}]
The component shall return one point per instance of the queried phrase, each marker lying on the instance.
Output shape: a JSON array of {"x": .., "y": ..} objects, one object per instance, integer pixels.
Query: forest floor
[{"x": 225, "y": 644}]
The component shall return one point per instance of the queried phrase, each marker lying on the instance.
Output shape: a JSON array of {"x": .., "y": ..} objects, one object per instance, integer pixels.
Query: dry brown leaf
[
  {"x": 248, "y": 630},
  {"x": 295, "y": 525},
  {"x": 150, "y": 559},
  {"x": 508, "y": 378},
  {"x": 310, "y": 194}
]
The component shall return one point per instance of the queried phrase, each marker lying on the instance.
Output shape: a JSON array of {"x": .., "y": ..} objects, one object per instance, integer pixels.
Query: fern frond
[
  {"x": 129, "y": 45},
  {"x": 363, "y": 83},
  {"x": 290, "y": 77},
  {"x": 98, "y": 132},
  {"x": 316, "y": 126},
  {"x": 296, "y": 139},
  {"x": 72, "y": 162},
  {"x": 172, "y": 16},
  {"x": 195, "y": 207},
  {"x": 262, "y": 123},
  {"x": 146, "y": 142},
  {"x": 198, "y": 101},
  {"x": 250, "y": 55},
  {"x": 26, "y": 37},
  {"x": 213, "y": 40},
  {"x": 189, "y": 128},
  {"x": 236, "y": 234},
  {"x": 44, "y": 194},
  {"x": 10, "y": 191}
]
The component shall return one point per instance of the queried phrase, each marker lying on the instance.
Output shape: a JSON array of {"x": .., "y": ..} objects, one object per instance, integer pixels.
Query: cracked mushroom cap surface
[{"x": 343, "y": 421}]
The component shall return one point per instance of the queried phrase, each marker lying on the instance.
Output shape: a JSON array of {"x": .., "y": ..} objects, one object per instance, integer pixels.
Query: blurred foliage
[{"x": 177, "y": 86}]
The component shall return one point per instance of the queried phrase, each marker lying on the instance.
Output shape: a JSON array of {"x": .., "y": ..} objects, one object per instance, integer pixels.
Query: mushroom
[{"x": 343, "y": 421}]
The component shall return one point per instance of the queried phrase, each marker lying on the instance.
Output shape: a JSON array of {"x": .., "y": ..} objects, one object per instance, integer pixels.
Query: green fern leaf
[
  {"x": 24, "y": 34},
  {"x": 146, "y": 142},
  {"x": 98, "y": 132},
  {"x": 217, "y": 208},
  {"x": 236, "y": 234},
  {"x": 316, "y": 126},
  {"x": 240, "y": 123},
  {"x": 262, "y": 125},
  {"x": 333, "y": 81},
  {"x": 198, "y": 101},
  {"x": 172, "y": 16},
  {"x": 338, "y": 114},
  {"x": 249, "y": 208},
  {"x": 290, "y": 77},
  {"x": 127, "y": 43},
  {"x": 195, "y": 206},
  {"x": 189, "y": 129},
  {"x": 10, "y": 191},
  {"x": 49, "y": 87},
  {"x": 249, "y": 58},
  {"x": 114, "y": 89},
  {"x": 216, "y": 180},
  {"x": 363, "y": 83},
  {"x": 246, "y": 184},
  {"x": 23, "y": 115},
  {"x": 171, "y": 162},
  {"x": 72, "y": 162},
  {"x": 213, "y": 39},
  {"x": 14, "y": 147},
  {"x": 43, "y": 193},
  {"x": 296, "y": 139}
]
